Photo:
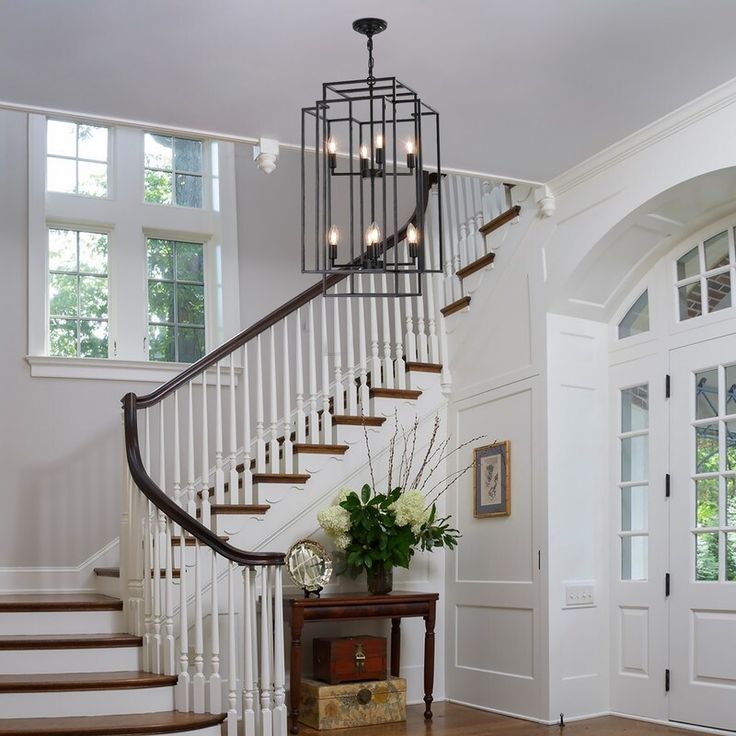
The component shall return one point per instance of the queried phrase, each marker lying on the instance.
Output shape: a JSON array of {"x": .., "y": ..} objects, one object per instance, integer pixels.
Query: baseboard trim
[
  {"x": 510, "y": 714},
  {"x": 674, "y": 724}
]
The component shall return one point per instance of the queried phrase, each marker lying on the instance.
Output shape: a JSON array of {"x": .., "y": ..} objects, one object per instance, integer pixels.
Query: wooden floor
[{"x": 457, "y": 720}]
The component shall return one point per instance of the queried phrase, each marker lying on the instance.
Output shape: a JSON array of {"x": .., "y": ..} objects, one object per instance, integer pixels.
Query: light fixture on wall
[{"x": 364, "y": 148}]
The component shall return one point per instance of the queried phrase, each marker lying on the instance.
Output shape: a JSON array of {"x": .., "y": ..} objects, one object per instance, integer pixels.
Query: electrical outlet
[{"x": 579, "y": 594}]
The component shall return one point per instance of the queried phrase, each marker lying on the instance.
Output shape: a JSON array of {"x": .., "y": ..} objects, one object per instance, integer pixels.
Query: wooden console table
[{"x": 358, "y": 606}]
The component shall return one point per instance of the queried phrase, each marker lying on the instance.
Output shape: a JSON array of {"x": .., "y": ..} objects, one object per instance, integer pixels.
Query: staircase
[{"x": 230, "y": 459}]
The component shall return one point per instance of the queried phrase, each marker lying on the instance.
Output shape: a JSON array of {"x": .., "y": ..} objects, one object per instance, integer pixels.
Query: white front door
[{"x": 703, "y": 534}]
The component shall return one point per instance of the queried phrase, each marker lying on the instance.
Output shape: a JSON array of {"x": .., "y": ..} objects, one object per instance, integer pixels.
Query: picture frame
[{"x": 492, "y": 480}]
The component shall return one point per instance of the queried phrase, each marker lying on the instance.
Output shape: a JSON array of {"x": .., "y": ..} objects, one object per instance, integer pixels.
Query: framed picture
[{"x": 492, "y": 480}]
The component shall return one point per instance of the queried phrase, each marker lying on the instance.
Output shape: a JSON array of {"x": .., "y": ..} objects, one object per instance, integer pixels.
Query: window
[
  {"x": 76, "y": 158},
  {"x": 633, "y": 485},
  {"x": 175, "y": 300},
  {"x": 704, "y": 277},
  {"x": 173, "y": 170},
  {"x": 78, "y": 293},
  {"x": 636, "y": 320}
]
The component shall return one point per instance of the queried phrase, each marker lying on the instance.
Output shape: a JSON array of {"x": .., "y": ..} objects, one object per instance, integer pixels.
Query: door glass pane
[
  {"x": 719, "y": 291},
  {"x": 730, "y": 501},
  {"x": 716, "y": 251},
  {"x": 706, "y": 394},
  {"x": 730, "y": 389},
  {"x": 731, "y": 556},
  {"x": 731, "y": 445},
  {"x": 634, "y": 408},
  {"x": 688, "y": 264},
  {"x": 634, "y": 557},
  {"x": 634, "y": 508},
  {"x": 689, "y": 297},
  {"x": 706, "y": 502},
  {"x": 706, "y": 448},
  {"x": 634, "y": 458},
  {"x": 706, "y": 556},
  {"x": 636, "y": 320}
]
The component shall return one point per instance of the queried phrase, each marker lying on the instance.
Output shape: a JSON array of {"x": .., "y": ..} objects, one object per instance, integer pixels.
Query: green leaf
[{"x": 366, "y": 493}]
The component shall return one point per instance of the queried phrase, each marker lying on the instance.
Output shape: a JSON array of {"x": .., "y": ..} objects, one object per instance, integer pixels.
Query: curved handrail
[
  {"x": 270, "y": 319},
  {"x": 131, "y": 403},
  {"x": 169, "y": 507}
]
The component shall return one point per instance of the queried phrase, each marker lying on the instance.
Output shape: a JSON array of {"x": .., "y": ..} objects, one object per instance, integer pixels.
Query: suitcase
[
  {"x": 350, "y": 659},
  {"x": 326, "y": 707}
]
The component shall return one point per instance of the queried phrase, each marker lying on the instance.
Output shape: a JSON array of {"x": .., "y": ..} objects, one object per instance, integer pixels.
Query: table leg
[
  {"x": 395, "y": 646},
  {"x": 429, "y": 660},
  {"x": 295, "y": 673}
]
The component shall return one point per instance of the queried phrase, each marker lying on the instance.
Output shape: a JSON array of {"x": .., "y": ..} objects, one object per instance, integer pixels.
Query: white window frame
[{"x": 129, "y": 220}]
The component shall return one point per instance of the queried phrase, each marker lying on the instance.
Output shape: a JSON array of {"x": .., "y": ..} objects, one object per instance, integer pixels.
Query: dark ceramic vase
[{"x": 380, "y": 580}]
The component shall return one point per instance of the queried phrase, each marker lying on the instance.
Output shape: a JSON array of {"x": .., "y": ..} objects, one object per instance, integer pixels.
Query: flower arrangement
[{"x": 380, "y": 530}]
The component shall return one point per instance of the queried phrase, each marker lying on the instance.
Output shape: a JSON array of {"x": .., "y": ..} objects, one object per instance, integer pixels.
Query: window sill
[{"x": 43, "y": 366}]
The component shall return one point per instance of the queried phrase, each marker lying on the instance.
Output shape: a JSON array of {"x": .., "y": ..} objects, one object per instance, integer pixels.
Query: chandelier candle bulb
[
  {"x": 364, "y": 160},
  {"x": 411, "y": 156},
  {"x": 332, "y": 153},
  {"x": 333, "y": 238},
  {"x": 372, "y": 238},
  {"x": 379, "y": 149},
  {"x": 412, "y": 238}
]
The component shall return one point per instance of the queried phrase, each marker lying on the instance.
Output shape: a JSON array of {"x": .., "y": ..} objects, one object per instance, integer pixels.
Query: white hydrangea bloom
[
  {"x": 335, "y": 520},
  {"x": 343, "y": 495},
  {"x": 342, "y": 542},
  {"x": 416, "y": 528},
  {"x": 409, "y": 508}
]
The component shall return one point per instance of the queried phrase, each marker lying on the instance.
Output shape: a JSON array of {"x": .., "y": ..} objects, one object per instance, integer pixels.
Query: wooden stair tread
[
  {"x": 298, "y": 478},
  {"x": 239, "y": 508},
  {"x": 130, "y": 723},
  {"x": 307, "y": 449},
  {"x": 424, "y": 367},
  {"x": 46, "y": 682},
  {"x": 68, "y": 641},
  {"x": 394, "y": 393},
  {"x": 31, "y": 602},
  {"x": 351, "y": 421},
  {"x": 477, "y": 265},
  {"x": 455, "y": 306},
  {"x": 114, "y": 572},
  {"x": 510, "y": 214}
]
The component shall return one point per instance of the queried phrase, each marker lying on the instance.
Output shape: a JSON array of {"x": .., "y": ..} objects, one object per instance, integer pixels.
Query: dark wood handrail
[
  {"x": 169, "y": 507},
  {"x": 270, "y": 319}
]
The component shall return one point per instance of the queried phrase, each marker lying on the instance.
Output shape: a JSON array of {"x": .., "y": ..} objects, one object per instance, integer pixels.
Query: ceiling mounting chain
[{"x": 370, "y": 27}]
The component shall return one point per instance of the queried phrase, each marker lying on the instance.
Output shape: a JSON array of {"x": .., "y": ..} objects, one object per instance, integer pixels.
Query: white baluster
[
  {"x": 375, "y": 364},
  {"x": 198, "y": 681},
  {"x": 287, "y": 447},
  {"x": 352, "y": 389},
  {"x": 160, "y": 520},
  {"x": 148, "y": 650},
  {"x": 182, "y": 683},
  {"x": 247, "y": 472},
  {"x": 362, "y": 352},
  {"x": 219, "y": 473},
  {"x": 486, "y": 201},
  {"x": 233, "y": 459},
  {"x": 249, "y": 724},
  {"x": 480, "y": 243},
  {"x": 177, "y": 459},
  {"x": 273, "y": 447},
  {"x": 452, "y": 259},
  {"x": 266, "y": 714},
  {"x": 469, "y": 216},
  {"x": 301, "y": 417},
  {"x": 326, "y": 415},
  {"x": 339, "y": 405},
  {"x": 169, "y": 653},
  {"x": 215, "y": 682},
  {"x": 399, "y": 366},
  {"x": 421, "y": 351},
  {"x": 446, "y": 377},
  {"x": 388, "y": 365},
  {"x": 204, "y": 490},
  {"x": 414, "y": 338},
  {"x": 432, "y": 279},
  {"x": 260, "y": 439},
  {"x": 313, "y": 415},
  {"x": 191, "y": 503},
  {"x": 232, "y": 674},
  {"x": 279, "y": 675}
]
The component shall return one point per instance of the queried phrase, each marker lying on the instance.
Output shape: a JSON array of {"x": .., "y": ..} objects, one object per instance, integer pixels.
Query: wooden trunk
[
  {"x": 350, "y": 659},
  {"x": 325, "y": 707}
]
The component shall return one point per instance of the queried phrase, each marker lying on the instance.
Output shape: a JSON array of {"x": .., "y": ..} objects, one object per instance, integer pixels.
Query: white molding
[
  {"x": 666, "y": 126},
  {"x": 107, "y": 369}
]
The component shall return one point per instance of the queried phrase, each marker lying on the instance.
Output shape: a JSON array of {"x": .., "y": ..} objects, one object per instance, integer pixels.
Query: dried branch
[
  {"x": 368, "y": 448},
  {"x": 449, "y": 454},
  {"x": 452, "y": 478},
  {"x": 392, "y": 448},
  {"x": 432, "y": 439},
  {"x": 413, "y": 436}
]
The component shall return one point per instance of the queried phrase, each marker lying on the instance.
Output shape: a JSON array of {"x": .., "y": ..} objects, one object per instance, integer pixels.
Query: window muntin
[
  {"x": 633, "y": 487},
  {"x": 636, "y": 320},
  {"x": 176, "y": 300},
  {"x": 714, "y": 480},
  {"x": 78, "y": 293},
  {"x": 173, "y": 170},
  {"x": 705, "y": 277},
  {"x": 76, "y": 158}
]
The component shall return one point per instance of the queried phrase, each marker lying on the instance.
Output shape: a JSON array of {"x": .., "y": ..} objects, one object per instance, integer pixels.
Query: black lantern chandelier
[{"x": 365, "y": 189}]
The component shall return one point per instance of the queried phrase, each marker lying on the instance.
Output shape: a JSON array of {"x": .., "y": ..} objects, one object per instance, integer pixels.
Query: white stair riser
[
  {"x": 421, "y": 381},
  {"x": 311, "y": 464},
  {"x": 62, "y": 622},
  {"x": 275, "y": 493},
  {"x": 104, "y": 659},
  {"x": 86, "y": 702},
  {"x": 109, "y": 586}
]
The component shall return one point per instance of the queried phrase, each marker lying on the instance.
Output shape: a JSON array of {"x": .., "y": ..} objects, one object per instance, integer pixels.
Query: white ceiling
[{"x": 525, "y": 88}]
